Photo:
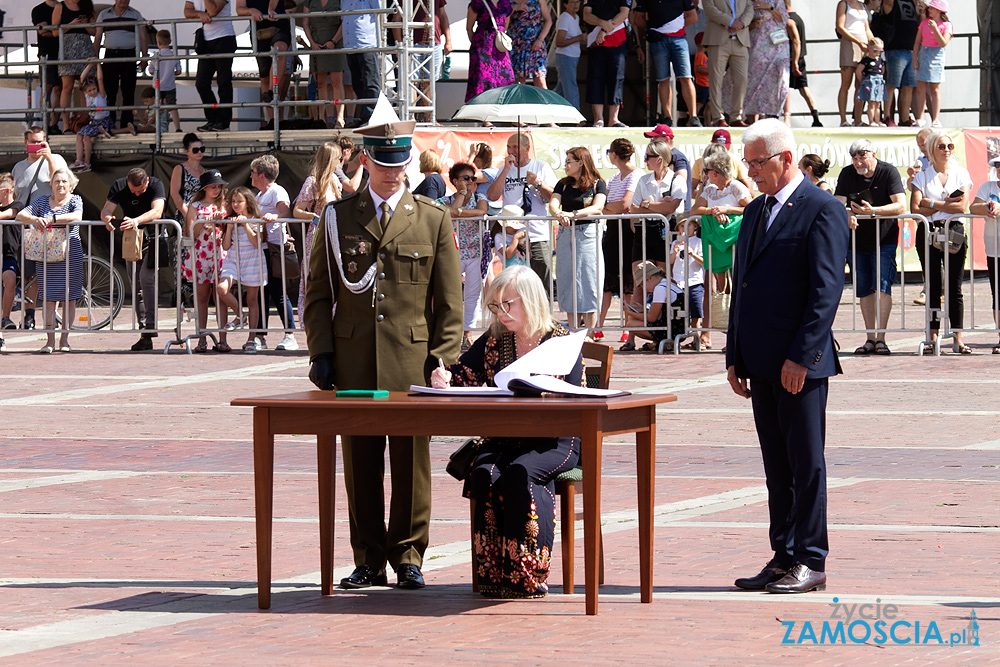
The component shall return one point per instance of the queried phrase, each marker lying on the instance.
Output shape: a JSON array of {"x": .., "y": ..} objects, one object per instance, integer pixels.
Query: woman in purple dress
[
  {"x": 529, "y": 24},
  {"x": 488, "y": 67}
]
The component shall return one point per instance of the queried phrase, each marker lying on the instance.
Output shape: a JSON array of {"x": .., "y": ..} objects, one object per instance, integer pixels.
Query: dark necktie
[
  {"x": 384, "y": 219},
  {"x": 765, "y": 215}
]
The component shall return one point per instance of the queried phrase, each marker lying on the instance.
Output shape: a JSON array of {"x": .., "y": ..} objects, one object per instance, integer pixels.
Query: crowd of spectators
[
  {"x": 740, "y": 65},
  {"x": 238, "y": 262}
]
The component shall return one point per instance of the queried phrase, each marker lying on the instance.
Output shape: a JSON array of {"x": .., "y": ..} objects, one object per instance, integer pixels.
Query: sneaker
[
  {"x": 3, "y": 345},
  {"x": 261, "y": 343},
  {"x": 920, "y": 300},
  {"x": 7, "y": 323},
  {"x": 207, "y": 127},
  {"x": 694, "y": 121},
  {"x": 144, "y": 343},
  {"x": 28, "y": 322},
  {"x": 287, "y": 343}
]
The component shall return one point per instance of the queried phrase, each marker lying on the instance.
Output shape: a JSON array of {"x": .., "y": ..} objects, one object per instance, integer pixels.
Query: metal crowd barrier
[
  {"x": 192, "y": 251},
  {"x": 103, "y": 288}
]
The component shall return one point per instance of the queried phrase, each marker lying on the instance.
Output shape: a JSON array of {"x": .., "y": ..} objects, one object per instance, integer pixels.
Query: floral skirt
[{"x": 514, "y": 519}]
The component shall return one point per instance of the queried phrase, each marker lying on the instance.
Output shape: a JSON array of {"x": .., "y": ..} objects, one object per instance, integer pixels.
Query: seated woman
[{"x": 511, "y": 482}]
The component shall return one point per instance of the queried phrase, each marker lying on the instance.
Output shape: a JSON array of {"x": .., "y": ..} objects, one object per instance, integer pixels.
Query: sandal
[
  {"x": 688, "y": 346},
  {"x": 928, "y": 348},
  {"x": 867, "y": 348},
  {"x": 958, "y": 348},
  {"x": 996, "y": 349},
  {"x": 627, "y": 347},
  {"x": 223, "y": 347},
  {"x": 201, "y": 347},
  {"x": 649, "y": 347},
  {"x": 882, "y": 348}
]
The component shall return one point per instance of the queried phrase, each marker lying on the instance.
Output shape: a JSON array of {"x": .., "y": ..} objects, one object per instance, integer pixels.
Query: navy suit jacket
[{"x": 785, "y": 296}]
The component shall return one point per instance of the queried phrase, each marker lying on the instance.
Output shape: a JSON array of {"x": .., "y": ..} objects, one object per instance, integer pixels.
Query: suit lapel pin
[{"x": 362, "y": 203}]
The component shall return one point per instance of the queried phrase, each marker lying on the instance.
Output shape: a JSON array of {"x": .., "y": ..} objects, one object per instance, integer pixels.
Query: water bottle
[{"x": 446, "y": 68}]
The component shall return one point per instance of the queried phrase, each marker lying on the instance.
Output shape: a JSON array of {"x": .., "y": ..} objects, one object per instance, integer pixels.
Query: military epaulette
[
  {"x": 349, "y": 196},
  {"x": 427, "y": 200}
]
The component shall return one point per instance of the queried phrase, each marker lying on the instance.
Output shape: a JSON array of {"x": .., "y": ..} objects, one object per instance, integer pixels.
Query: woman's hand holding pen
[{"x": 440, "y": 376}]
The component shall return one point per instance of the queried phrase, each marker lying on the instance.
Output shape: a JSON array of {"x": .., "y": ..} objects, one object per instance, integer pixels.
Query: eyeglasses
[
  {"x": 571, "y": 161},
  {"x": 652, "y": 156},
  {"x": 946, "y": 147},
  {"x": 503, "y": 305},
  {"x": 759, "y": 164},
  {"x": 197, "y": 149}
]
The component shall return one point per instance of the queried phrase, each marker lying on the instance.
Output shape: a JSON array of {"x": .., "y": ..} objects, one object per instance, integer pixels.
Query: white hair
[
  {"x": 777, "y": 136},
  {"x": 861, "y": 145}
]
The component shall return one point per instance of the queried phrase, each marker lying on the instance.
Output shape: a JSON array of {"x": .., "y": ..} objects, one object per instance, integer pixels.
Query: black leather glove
[{"x": 321, "y": 371}]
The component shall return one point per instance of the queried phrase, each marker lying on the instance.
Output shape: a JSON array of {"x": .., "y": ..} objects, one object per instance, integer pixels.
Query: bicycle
[{"x": 95, "y": 309}]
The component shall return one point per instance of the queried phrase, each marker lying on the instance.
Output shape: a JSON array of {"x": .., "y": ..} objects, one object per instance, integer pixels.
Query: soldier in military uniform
[{"x": 383, "y": 305}]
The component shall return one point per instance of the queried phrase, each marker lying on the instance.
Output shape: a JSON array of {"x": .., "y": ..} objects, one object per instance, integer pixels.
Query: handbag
[
  {"x": 778, "y": 35},
  {"x": 132, "y": 245},
  {"x": 78, "y": 120},
  {"x": 200, "y": 43},
  {"x": 292, "y": 269},
  {"x": 954, "y": 238},
  {"x": 502, "y": 40},
  {"x": 266, "y": 33},
  {"x": 461, "y": 460},
  {"x": 719, "y": 311},
  {"x": 48, "y": 245}
]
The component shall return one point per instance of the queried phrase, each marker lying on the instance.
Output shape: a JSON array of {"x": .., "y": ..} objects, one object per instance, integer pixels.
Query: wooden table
[{"x": 323, "y": 414}]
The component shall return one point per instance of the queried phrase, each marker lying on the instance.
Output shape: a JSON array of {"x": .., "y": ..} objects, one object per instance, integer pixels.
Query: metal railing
[{"x": 414, "y": 92}]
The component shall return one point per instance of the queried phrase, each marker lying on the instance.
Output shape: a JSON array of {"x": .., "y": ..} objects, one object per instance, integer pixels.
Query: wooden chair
[{"x": 599, "y": 377}]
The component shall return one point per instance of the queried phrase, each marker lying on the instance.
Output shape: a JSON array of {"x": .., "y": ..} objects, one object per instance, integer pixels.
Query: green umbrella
[{"x": 518, "y": 103}]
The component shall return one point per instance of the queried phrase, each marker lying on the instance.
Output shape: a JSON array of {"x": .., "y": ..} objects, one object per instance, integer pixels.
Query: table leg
[
  {"x": 590, "y": 455},
  {"x": 645, "y": 458},
  {"x": 326, "y": 455},
  {"x": 263, "y": 477}
]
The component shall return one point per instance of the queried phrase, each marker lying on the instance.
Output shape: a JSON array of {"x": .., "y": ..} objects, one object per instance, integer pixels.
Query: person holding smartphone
[
  {"x": 32, "y": 177},
  {"x": 937, "y": 192},
  {"x": 870, "y": 187}
]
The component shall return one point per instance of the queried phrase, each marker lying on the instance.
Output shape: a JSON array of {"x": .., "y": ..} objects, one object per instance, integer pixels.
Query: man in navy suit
[{"x": 787, "y": 281}]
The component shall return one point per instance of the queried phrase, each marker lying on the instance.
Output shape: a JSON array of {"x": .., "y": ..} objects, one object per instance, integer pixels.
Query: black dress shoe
[
  {"x": 409, "y": 576},
  {"x": 773, "y": 571},
  {"x": 800, "y": 579},
  {"x": 363, "y": 577}
]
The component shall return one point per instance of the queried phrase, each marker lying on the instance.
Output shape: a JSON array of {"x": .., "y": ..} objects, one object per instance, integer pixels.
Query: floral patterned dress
[
  {"x": 525, "y": 26},
  {"x": 511, "y": 483},
  {"x": 488, "y": 68},
  {"x": 206, "y": 259}
]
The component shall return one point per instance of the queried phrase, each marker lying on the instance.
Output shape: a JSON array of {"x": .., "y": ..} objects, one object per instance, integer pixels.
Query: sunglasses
[
  {"x": 949, "y": 147},
  {"x": 467, "y": 178},
  {"x": 197, "y": 149},
  {"x": 503, "y": 305},
  {"x": 862, "y": 154},
  {"x": 571, "y": 161},
  {"x": 651, "y": 157}
]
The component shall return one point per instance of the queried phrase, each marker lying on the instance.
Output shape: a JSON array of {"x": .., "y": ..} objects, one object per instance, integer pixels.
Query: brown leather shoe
[
  {"x": 773, "y": 571},
  {"x": 800, "y": 579}
]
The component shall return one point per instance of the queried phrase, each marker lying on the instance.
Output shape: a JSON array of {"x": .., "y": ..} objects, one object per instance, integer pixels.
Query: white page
[{"x": 556, "y": 356}]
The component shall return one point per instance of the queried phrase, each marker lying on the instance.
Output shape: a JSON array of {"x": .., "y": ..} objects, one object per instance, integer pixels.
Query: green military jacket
[{"x": 391, "y": 336}]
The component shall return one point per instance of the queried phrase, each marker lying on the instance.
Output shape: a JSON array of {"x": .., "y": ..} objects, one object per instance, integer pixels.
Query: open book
[{"x": 533, "y": 374}]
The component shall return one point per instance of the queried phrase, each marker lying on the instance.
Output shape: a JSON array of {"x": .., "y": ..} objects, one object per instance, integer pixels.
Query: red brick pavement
[{"x": 128, "y": 514}]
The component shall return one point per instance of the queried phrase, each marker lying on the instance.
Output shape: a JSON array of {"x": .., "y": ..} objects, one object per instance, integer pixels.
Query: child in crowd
[
  {"x": 204, "y": 262},
  {"x": 168, "y": 70},
  {"x": 10, "y": 251},
  {"x": 243, "y": 265},
  {"x": 512, "y": 245},
  {"x": 933, "y": 34},
  {"x": 687, "y": 269},
  {"x": 871, "y": 70},
  {"x": 100, "y": 119},
  {"x": 651, "y": 298},
  {"x": 145, "y": 119},
  {"x": 700, "y": 76}
]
